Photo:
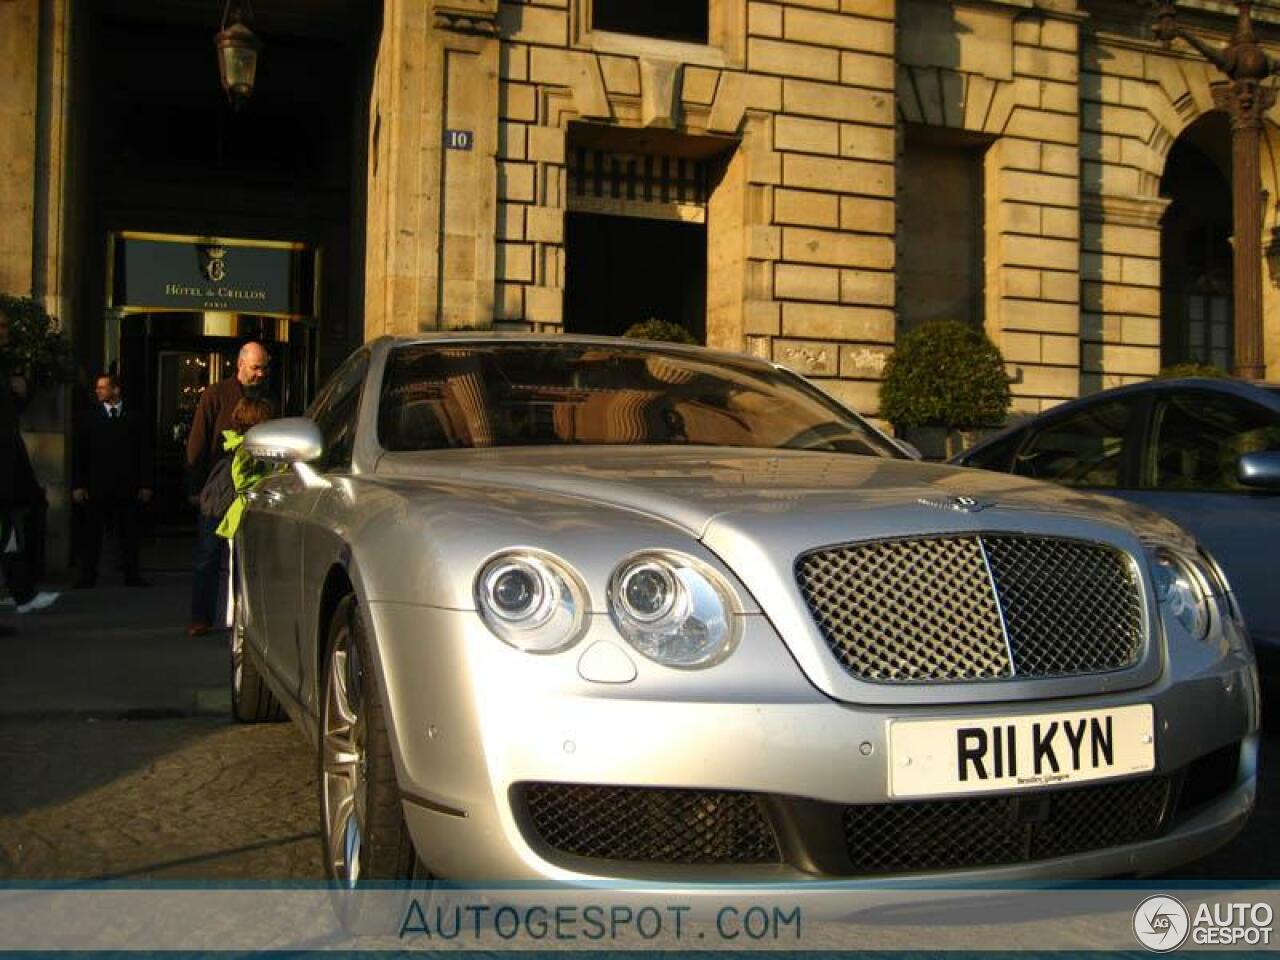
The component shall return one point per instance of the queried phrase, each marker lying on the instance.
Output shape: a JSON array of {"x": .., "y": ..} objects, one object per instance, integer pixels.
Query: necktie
[{"x": 115, "y": 412}]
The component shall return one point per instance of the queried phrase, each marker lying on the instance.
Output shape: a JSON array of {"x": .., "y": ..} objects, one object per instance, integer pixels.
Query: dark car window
[
  {"x": 522, "y": 394},
  {"x": 997, "y": 455},
  {"x": 1084, "y": 449},
  {"x": 1197, "y": 437},
  {"x": 336, "y": 409}
]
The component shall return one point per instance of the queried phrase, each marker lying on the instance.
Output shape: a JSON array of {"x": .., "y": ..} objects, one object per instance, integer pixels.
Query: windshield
[{"x": 440, "y": 396}]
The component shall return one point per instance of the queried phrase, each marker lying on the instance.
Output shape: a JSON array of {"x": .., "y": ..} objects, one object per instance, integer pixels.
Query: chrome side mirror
[
  {"x": 1260, "y": 469},
  {"x": 290, "y": 440}
]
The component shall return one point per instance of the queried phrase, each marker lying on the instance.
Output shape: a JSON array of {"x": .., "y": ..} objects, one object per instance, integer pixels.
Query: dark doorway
[
  {"x": 162, "y": 154},
  {"x": 167, "y": 360},
  {"x": 623, "y": 270},
  {"x": 1195, "y": 248}
]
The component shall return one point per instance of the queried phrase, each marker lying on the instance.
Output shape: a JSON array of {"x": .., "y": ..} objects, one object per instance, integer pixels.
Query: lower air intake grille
[
  {"x": 650, "y": 825},
  {"x": 986, "y": 831}
]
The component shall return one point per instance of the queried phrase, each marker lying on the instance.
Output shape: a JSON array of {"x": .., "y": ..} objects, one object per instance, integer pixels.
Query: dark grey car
[{"x": 1176, "y": 446}]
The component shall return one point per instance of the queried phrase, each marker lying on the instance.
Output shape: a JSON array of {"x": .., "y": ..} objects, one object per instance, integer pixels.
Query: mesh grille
[
  {"x": 956, "y": 834},
  {"x": 1069, "y": 607},
  {"x": 902, "y": 611},
  {"x": 651, "y": 825}
]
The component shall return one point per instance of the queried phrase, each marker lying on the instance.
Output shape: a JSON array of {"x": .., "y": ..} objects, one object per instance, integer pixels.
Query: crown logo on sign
[{"x": 212, "y": 264}]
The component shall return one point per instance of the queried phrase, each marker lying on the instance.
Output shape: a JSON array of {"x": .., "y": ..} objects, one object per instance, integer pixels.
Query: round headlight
[
  {"x": 1181, "y": 592},
  {"x": 674, "y": 610},
  {"x": 531, "y": 602},
  {"x": 647, "y": 592}
]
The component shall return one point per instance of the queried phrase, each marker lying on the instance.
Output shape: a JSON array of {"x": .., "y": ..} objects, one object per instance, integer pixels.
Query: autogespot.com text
[{"x": 596, "y": 922}]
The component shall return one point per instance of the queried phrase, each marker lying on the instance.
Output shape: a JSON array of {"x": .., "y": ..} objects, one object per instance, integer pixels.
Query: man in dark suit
[{"x": 111, "y": 480}]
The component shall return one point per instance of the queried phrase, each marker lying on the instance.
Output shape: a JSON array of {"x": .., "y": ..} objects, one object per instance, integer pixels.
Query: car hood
[
  {"x": 701, "y": 489},
  {"x": 757, "y": 512}
]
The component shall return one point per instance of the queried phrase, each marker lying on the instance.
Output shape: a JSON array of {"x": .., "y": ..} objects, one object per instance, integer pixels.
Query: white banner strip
[{"x": 783, "y": 918}]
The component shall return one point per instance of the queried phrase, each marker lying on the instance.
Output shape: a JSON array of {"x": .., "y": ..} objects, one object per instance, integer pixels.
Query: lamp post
[
  {"x": 1246, "y": 100},
  {"x": 238, "y": 48}
]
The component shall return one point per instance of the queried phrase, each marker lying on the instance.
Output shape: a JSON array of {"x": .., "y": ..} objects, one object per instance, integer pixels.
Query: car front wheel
[{"x": 363, "y": 830}]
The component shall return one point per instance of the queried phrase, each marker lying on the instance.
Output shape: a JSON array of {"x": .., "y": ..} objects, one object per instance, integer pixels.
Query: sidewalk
[{"x": 113, "y": 651}]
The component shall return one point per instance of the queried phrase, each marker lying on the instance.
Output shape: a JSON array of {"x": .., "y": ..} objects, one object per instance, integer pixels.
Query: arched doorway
[{"x": 1195, "y": 247}]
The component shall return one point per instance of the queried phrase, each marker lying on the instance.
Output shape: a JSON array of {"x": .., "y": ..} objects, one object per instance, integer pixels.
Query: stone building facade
[
  {"x": 1072, "y": 109},
  {"x": 838, "y": 169}
]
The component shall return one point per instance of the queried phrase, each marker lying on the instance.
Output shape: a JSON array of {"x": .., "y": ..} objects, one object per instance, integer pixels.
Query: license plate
[{"x": 984, "y": 754}]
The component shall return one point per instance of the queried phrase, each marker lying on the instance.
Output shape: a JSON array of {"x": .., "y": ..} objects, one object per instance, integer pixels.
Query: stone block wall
[
  {"x": 801, "y": 224},
  {"x": 803, "y": 235}
]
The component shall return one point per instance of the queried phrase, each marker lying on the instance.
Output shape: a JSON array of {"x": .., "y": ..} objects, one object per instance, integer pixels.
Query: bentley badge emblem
[{"x": 959, "y": 504}]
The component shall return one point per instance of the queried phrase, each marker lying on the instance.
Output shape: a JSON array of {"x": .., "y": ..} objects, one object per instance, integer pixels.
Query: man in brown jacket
[{"x": 204, "y": 449}]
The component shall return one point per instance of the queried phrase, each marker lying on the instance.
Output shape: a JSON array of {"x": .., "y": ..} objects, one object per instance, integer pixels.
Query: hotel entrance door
[
  {"x": 166, "y": 362},
  {"x": 180, "y": 309}
]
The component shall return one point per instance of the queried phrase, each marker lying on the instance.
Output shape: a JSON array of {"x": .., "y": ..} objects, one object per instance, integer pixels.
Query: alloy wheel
[{"x": 343, "y": 762}]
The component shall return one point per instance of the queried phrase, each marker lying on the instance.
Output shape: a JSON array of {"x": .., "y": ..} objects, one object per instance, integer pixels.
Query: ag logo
[
  {"x": 213, "y": 263},
  {"x": 1161, "y": 923}
]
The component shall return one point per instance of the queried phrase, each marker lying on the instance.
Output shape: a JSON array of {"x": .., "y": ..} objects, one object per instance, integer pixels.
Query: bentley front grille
[
  {"x": 975, "y": 607},
  {"x": 650, "y": 825}
]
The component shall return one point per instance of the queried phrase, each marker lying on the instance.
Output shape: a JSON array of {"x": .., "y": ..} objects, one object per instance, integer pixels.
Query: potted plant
[
  {"x": 945, "y": 374},
  {"x": 36, "y": 350},
  {"x": 655, "y": 329},
  {"x": 1179, "y": 370}
]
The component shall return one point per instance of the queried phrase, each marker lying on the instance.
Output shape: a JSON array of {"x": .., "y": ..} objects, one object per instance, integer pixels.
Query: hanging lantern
[{"x": 238, "y": 48}]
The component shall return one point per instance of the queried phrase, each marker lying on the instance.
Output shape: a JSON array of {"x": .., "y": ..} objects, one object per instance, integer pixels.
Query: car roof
[{"x": 1266, "y": 394}]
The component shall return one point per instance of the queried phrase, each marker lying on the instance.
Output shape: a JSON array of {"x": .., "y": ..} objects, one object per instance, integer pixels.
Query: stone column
[
  {"x": 432, "y": 180},
  {"x": 34, "y": 65},
  {"x": 1120, "y": 319},
  {"x": 19, "y": 82}
]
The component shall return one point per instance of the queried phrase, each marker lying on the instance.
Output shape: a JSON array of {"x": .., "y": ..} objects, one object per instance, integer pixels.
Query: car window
[
  {"x": 536, "y": 394},
  {"x": 1197, "y": 437},
  {"x": 997, "y": 455},
  {"x": 1084, "y": 449},
  {"x": 336, "y": 409}
]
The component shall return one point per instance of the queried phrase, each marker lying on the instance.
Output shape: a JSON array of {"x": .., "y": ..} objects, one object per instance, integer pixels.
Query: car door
[
  {"x": 285, "y": 504},
  {"x": 1188, "y": 473}
]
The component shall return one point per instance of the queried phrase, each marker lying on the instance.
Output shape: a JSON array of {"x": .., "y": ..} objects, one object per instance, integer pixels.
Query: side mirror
[
  {"x": 290, "y": 440},
  {"x": 1260, "y": 469}
]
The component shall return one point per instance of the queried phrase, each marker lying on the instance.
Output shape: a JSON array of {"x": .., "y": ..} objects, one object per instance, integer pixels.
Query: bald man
[{"x": 204, "y": 449}]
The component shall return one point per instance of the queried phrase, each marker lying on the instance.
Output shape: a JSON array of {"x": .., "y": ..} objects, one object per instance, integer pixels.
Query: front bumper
[{"x": 474, "y": 721}]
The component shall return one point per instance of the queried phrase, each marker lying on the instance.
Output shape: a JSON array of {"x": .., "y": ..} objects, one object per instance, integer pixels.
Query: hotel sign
[{"x": 153, "y": 273}]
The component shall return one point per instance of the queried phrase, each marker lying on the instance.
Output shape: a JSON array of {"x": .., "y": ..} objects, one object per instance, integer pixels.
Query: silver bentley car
[{"x": 584, "y": 610}]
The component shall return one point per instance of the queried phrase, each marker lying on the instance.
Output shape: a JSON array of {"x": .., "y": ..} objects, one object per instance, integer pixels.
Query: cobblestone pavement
[{"x": 177, "y": 798}]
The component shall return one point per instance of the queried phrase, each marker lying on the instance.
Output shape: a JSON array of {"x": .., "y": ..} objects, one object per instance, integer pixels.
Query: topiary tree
[
  {"x": 1178, "y": 370},
  {"x": 945, "y": 374},
  {"x": 36, "y": 349},
  {"x": 655, "y": 329}
]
